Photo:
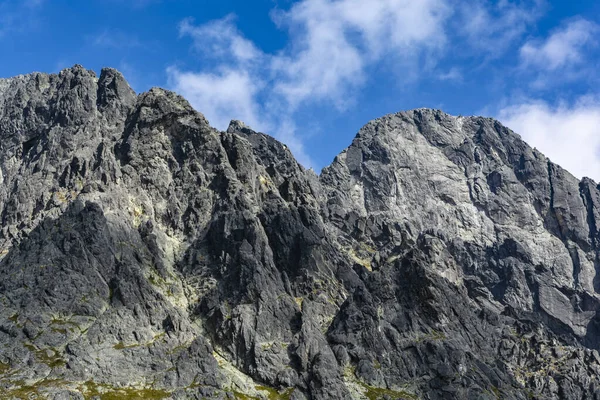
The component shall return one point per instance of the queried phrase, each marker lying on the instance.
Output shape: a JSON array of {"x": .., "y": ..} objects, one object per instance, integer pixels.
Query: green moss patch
[
  {"x": 92, "y": 390},
  {"x": 122, "y": 346},
  {"x": 433, "y": 336},
  {"x": 22, "y": 391},
  {"x": 4, "y": 368},
  {"x": 272, "y": 394},
  {"x": 15, "y": 320},
  {"x": 242, "y": 396},
  {"x": 50, "y": 357},
  {"x": 375, "y": 393},
  {"x": 276, "y": 395}
]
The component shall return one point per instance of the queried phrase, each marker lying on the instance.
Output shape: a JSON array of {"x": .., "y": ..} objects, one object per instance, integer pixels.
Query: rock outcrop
[{"x": 145, "y": 254}]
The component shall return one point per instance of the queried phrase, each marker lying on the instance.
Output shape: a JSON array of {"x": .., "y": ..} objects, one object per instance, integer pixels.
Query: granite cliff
[{"x": 145, "y": 254}]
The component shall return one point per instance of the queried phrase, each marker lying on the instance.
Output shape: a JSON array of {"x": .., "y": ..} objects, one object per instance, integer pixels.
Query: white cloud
[
  {"x": 230, "y": 90},
  {"x": 222, "y": 96},
  {"x": 567, "y": 134},
  {"x": 333, "y": 46},
  {"x": 563, "y": 48},
  {"x": 333, "y": 42},
  {"x": 220, "y": 39},
  {"x": 232, "y": 94},
  {"x": 286, "y": 132},
  {"x": 454, "y": 74}
]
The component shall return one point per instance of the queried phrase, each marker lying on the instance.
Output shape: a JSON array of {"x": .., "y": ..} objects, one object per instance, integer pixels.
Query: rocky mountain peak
[
  {"x": 114, "y": 92},
  {"x": 145, "y": 254}
]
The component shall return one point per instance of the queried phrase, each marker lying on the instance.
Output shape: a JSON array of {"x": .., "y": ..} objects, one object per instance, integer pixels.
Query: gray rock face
[{"x": 145, "y": 254}]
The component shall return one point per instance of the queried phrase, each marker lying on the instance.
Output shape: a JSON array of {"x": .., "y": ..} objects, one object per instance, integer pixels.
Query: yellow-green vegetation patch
[
  {"x": 437, "y": 335},
  {"x": 92, "y": 390},
  {"x": 50, "y": 357},
  {"x": 273, "y": 394},
  {"x": 180, "y": 348},
  {"x": 326, "y": 323},
  {"x": 496, "y": 392},
  {"x": 4, "y": 368},
  {"x": 157, "y": 280},
  {"x": 169, "y": 286},
  {"x": 122, "y": 346},
  {"x": 52, "y": 360},
  {"x": 299, "y": 301},
  {"x": 349, "y": 371},
  {"x": 366, "y": 247},
  {"x": 375, "y": 393},
  {"x": 393, "y": 258},
  {"x": 263, "y": 180},
  {"x": 267, "y": 345},
  {"x": 432, "y": 336},
  {"x": 64, "y": 326},
  {"x": 241, "y": 396},
  {"x": 22, "y": 391},
  {"x": 61, "y": 321},
  {"x": 15, "y": 320},
  {"x": 372, "y": 392},
  {"x": 364, "y": 261}
]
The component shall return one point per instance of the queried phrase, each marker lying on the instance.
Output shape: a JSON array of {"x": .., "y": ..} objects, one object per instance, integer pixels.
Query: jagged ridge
[{"x": 146, "y": 254}]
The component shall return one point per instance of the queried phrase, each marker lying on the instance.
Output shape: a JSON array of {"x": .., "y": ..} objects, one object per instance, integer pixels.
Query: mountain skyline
[
  {"x": 311, "y": 71},
  {"x": 148, "y": 255}
]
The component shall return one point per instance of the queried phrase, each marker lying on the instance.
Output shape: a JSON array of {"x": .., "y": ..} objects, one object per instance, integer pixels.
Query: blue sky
[{"x": 312, "y": 72}]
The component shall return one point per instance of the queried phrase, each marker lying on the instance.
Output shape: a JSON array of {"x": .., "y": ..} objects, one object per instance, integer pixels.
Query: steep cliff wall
[{"x": 146, "y": 254}]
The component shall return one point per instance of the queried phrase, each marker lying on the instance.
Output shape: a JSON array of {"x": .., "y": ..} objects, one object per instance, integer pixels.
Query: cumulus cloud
[
  {"x": 453, "y": 75},
  {"x": 568, "y": 134},
  {"x": 220, "y": 39},
  {"x": 230, "y": 89},
  {"x": 565, "y": 47},
  {"x": 333, "y": 42},
  {"x": 220, "y": 96},
  {"x": 331, "y": 45},
  {"x": 231, "y": 93}
]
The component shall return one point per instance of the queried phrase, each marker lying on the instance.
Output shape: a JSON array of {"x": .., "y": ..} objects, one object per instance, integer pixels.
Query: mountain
[{"x": 147, "y": 255}]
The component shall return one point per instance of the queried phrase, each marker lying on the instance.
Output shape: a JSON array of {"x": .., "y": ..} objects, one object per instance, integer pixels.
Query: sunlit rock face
[{"x": 145, "y": 254}]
